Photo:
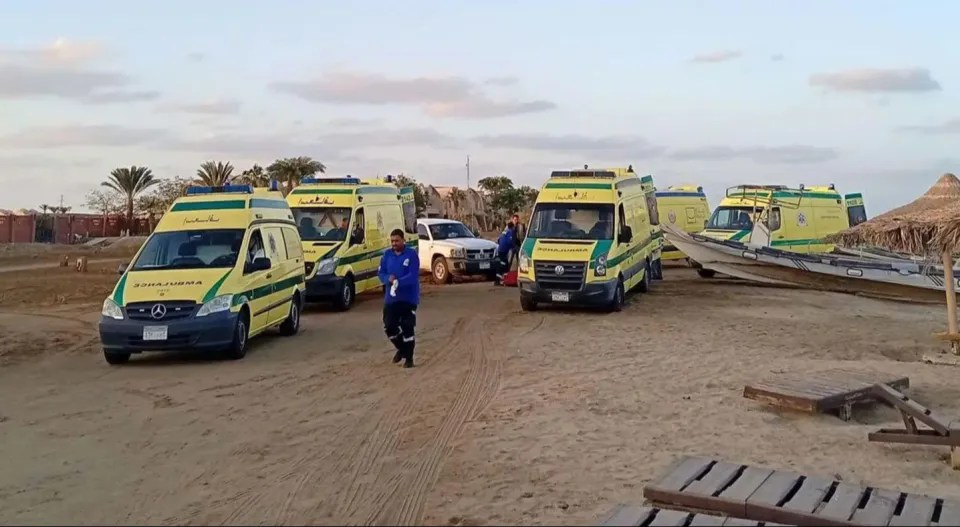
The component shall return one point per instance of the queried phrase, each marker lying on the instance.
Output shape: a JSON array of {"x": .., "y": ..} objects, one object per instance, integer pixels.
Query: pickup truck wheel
[{"x": 441, "y": 271}]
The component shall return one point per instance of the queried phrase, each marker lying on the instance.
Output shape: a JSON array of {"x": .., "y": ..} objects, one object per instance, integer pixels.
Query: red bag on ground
[{"x": 510, "y": 279}]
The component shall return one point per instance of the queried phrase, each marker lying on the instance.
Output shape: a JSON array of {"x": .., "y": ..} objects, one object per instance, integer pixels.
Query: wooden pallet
[
  {"x": 768, "y": 495},
  {"x": 635, "y": 516},
  {"x": 829, "y": 391},
  {"x": 941, "y": 432}
]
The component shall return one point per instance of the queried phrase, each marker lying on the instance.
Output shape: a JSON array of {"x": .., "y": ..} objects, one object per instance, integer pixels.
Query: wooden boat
[{"x": 897, "y": 280}]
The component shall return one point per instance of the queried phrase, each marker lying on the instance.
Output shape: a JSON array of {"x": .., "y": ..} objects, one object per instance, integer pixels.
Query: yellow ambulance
[
  {"x": 345, "y": 225},
  {"x": 686, "y": 207},
  {"x": 593, "y": 236},
  {"x": 798, "y": 219},
  {"x": 223, "y": 265}
]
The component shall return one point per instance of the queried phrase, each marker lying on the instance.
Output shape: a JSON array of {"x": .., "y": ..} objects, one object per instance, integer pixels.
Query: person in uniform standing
[{"x": 400, "y": 275}]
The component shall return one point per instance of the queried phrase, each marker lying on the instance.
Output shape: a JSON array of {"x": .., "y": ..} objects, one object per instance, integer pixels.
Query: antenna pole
[{"x": 468, "y": 172}]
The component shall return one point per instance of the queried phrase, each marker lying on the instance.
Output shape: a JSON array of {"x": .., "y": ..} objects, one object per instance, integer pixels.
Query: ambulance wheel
[
  {"x": 115, "y": 358},
  {"x": 238, "y": 348},
  {"x": 527, "y": 304},
  {"x": 619, "y": 298},
  {"x": 706, "y": 273},
  {"x": 291, "y": 325},
  {"x": 645, "y": 283},
  {"x": 441, "y": 271},
  {"x": 344, "y": 298}
]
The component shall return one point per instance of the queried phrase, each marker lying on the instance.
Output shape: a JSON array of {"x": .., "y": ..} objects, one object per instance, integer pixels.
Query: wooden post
[{"x": 949, "y": 284}]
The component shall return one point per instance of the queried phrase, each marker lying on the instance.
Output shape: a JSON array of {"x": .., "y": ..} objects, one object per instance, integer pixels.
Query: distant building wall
[{"x": 22, "y": 228}]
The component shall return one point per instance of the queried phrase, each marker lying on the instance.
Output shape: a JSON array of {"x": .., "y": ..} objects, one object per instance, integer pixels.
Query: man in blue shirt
[
  {"x": 400, "y": 276},
  {"x": 504, "y": 246}
]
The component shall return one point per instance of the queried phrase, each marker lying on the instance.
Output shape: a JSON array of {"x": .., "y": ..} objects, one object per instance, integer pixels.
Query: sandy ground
[{"x": 543, "y": 418}]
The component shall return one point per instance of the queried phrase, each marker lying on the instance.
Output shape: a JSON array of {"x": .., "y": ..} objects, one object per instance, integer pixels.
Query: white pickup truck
[{"x": 448, "y": 248}]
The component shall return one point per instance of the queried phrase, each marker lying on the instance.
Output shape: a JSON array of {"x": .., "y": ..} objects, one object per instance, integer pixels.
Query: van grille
[
  {"x": 571, "y": 279},
  {"x": 173, "y": 310}
]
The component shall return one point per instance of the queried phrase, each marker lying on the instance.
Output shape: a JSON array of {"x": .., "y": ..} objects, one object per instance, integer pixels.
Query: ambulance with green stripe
[
  {"x": 592, "y": 237},
  {"x": 345, "y": 225},
  {"x": 686, "y": 207},
  {"x": 798, "y": 219},
  {"x": 223, "y": 265}
]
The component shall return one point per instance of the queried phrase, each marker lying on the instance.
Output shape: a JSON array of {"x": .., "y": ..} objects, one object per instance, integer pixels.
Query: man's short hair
[{"x": 396, "y": 232}]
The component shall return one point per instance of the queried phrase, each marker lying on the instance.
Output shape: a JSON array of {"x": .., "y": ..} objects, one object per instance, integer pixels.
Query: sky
[{"x": 859, "y": 93}]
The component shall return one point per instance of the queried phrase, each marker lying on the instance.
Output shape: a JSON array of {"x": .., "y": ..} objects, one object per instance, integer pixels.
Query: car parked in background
[{"x": 449, "y": 248}]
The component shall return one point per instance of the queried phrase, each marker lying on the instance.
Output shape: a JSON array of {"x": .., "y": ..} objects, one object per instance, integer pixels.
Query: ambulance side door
[{"x": 257, "y": 283}]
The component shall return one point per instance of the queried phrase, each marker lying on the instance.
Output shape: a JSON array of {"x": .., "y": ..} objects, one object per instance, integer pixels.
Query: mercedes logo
[
  {"x": 158, "y": 311},
  {"x": 558, "y": 269}
]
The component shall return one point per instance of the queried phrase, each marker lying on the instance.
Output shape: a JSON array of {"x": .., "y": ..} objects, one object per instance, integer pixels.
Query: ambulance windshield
[
  {"x": 322, "y": 223},
  {"x": 574, "y": 221},
  {"x": 194, "y": 249},
  {"x": 731, "y": 219}
]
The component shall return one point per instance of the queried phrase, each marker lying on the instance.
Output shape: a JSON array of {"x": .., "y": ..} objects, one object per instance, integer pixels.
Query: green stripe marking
[
  {"x": 268, "y": 203},
  {"x": 186, "y": 206},
  {"x": 215, "y": 288},
  {"x": 268, "y": 289},
  {"x": 376, "y": 190},
  {"x": 739, "y": 235},
  {"x": 853, "y": 196},
  {"x": 586, "y": 186},
  {"x": 118, "y": 293},
  {"x": 811, "y": 241}
]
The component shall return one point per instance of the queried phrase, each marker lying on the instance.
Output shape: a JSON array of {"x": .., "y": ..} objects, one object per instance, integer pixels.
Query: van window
[
  {"x": 200, "y": 249},
  {"x": 731, "y": 219},
  {"x": 322, "y": 223},
  {"x": 255, "y": 247},
  {"x": 572, "y": 221},
  {"x": 294, "y": 249},
  {"x": 276, "y": 249},
  {"x": 856, "y": 215},
  {"x": 652, "y": 211},
  {"x": 622, "y": 215},
  {"x": 422, "y": 232},
  {"x": 358, "y": 234},
  {"x": 773, "y": 222}
]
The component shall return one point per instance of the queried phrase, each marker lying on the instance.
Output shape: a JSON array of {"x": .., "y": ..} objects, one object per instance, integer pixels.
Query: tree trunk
[{"x": 129, "y": 215}]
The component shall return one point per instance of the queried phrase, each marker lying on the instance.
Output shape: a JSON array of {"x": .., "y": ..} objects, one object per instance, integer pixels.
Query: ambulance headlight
[
  {"x": 110, "y": 309},
  {"x": 524, "y": 263},
  {"x": 216, "y": 305},
  {"x": 601, "y": 267},
  {"x": 327, "y": 266}
]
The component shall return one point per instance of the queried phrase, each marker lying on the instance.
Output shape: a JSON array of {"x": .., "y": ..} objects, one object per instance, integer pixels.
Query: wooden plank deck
[
  {"x": 788, "y": 498},
  {"x": 830, "y": 391},
  {"x": 635, "y": 516}
]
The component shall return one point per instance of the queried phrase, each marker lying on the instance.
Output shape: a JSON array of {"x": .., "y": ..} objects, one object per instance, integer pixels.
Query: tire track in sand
[
  {"x": 375, "y": 444},
  {"x": 407, "y": 496}
]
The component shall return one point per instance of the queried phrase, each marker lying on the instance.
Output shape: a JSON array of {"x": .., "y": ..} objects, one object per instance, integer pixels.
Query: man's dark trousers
[{"x": 400, "y": 324}]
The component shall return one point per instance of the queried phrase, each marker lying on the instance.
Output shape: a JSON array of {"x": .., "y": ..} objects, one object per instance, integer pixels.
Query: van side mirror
[
  {"x": 122, "y": 268},
  {"x": 626, "y": 234},
  {"x": 259, "y": 264},
  {"x": 356, "y": 237}
]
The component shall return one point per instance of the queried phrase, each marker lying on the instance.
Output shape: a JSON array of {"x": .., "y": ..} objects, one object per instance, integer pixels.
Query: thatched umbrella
[{"x": 927, "y": 226}]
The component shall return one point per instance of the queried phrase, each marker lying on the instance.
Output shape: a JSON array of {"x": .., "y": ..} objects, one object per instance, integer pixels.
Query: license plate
[
  {"x": 155, "y": 333},
  {"x": 557, "y": 296},
  {"x": 484, "y": 265}
]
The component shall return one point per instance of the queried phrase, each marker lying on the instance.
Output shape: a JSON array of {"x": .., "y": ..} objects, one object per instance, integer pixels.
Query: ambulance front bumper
[
  {"x": 323, "y": 287},
  {"x": 590, "y": 294},
  {"x": 212, "y": 332}
]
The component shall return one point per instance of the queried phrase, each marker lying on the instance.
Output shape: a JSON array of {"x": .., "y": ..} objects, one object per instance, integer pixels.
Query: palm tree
[
  {"x": 215, "y": 174},
  {"x": 130, "y": 182},
  {"x": 255, "y": 176},
  {"x": 293, "y": 169}
]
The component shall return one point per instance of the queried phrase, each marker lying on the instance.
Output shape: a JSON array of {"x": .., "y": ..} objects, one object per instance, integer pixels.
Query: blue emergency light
[
  {"x": 348, "y": 180},
  {"x": 274, "y": 185},
  {"x": 231, "y": 189}
]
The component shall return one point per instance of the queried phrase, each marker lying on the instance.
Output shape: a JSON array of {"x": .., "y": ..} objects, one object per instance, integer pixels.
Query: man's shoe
[
  {"x": 408, "y": 363},
  {"x": 397, "y": 357}
]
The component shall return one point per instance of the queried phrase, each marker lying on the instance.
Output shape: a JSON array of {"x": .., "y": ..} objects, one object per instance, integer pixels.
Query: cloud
[
  {"x": 81, "y": 135},
  {"x": 502, "y": 81},
  {"x": 790, "y": 154},
  {"x": 59, "y": 71},
  {"x": 611, "y": 145},
  {"x": 717, "y": 56},
  {"x": 877, "y": 80},
  {"x": 438, "y": 96},
  {"x": 950, "y": 127},
  {"x": 347, "y": 122},
  {"x": 213, "y": 107}
]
